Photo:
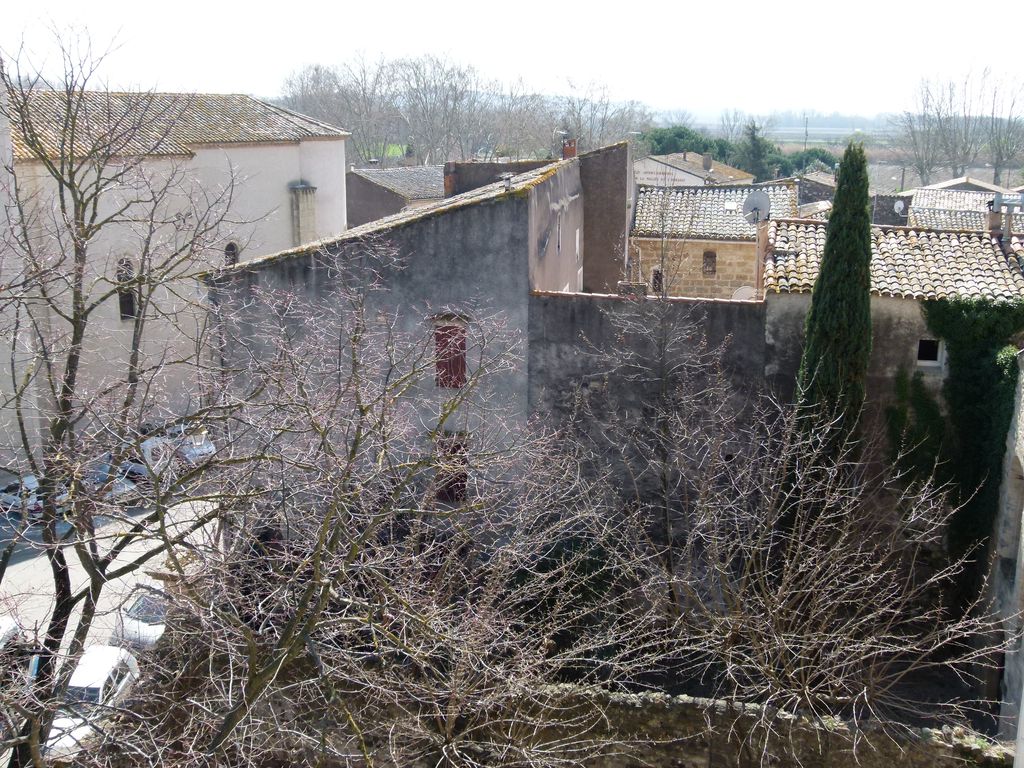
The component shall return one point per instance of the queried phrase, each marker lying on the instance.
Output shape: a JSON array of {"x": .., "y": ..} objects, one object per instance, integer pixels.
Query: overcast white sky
[{"x": 863, "y": 57}]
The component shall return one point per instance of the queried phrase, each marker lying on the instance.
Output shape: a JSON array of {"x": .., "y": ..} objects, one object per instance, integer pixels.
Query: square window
[
  {"x": 930, "y": 352},
  {"x": 452, "y": 467},
  {"x": 450, "y": 355},
  {"x": 710, "y": 265}
]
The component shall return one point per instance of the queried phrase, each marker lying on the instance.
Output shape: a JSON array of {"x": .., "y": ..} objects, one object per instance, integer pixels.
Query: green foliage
[
  {"x": 918, "y": 433},
  {"x": 979, "y": 393},
  {"x": 837, "y": 341},
  {"x": 682, "y": 138},
  {"x": 754, "y": 153},
  {"x": 799, "y": 161}
]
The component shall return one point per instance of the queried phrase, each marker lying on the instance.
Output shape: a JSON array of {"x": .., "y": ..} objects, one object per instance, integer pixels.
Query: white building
[{"x": 236, "y": 177}]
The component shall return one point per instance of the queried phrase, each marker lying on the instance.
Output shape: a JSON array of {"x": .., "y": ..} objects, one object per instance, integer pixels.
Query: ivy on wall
[{"x": 966, "y": 446}]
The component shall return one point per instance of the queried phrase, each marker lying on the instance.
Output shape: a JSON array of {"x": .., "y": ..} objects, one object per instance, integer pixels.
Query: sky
[{"x": 865, "y": 58}]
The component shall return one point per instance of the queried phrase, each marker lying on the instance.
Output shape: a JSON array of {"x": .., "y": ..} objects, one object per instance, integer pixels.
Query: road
[{"x": 27, "y": 588}]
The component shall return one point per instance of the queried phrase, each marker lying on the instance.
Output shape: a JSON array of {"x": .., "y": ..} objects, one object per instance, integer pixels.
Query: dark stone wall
[
  {"x": 366, "y": 201},
  {"x": 462, "y": 177},
  {"x": 572, "y": 334},
  {"x": 813, "y": 192},
  {"x": 882, "y": 211},
  {"x": 606, "y": 177}
]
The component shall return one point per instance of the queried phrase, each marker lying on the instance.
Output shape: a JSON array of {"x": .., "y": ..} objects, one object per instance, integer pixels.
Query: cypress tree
[{"x": 837, "y": 340}]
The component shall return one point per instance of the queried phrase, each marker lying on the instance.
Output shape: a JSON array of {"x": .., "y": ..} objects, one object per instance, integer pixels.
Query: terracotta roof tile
[
  {"x": 905, "y": 262},
  {"x": 149, "y": 123},
  {"x": 423, "y": 182},
  {"x": 712, "y": 213}
]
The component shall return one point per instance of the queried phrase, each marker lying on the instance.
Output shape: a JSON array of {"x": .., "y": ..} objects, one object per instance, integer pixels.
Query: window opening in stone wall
[
  {"x": 230, "y": 254},
  {"x": 450, "y": 355},
  {"x": 452, "y": 467},
  {"x": 657, "y": 280},
  {"x": 929, "y": 352},
  {"x": 126, "y": 293},
  {"x": 710, "y": 266}
]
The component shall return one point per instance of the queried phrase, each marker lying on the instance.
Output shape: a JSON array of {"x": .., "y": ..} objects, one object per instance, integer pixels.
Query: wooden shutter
[{"x": 450, "y": 348}]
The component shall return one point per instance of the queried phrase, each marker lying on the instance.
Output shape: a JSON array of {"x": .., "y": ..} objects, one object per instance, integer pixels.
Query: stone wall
[
  {"x": 570, "y": 333},
  {"x": 660, "y": 731},
  {"x": 605, "y": 175},
  {"x": 736, "y": 266},
  {"x": 463, "y": 177}
]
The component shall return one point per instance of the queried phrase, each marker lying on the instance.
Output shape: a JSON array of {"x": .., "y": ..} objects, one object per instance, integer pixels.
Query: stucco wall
[
  {"x": 556, "y": 231},
  {"x": 254, "y": 179},
  {"x": 736, "y": 266},
  {"x": 652, "y": 173},
  {"x": 897, "y": 326},
  {"x": 367, "y": 201},
  {"x": 261, "y": 205},
  {"x": 475, "y": 260},
  {"x": 607, "y": 187}
]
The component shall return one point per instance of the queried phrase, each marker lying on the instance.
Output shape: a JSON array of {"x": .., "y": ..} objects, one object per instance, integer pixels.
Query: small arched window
[
  {"x": 231, "y": 254},
  {"x": 127, "y": 290}
]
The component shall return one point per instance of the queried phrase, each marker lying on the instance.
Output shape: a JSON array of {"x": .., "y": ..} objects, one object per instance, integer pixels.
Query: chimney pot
[{"x": 568, "y": 148}]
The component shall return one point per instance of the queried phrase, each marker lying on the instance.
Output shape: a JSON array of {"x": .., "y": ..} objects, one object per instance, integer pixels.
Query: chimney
[
  {"x": 450, "y": 179},
  {"x": 568, "y": 148},
  {"x": 707, "y": 162}
]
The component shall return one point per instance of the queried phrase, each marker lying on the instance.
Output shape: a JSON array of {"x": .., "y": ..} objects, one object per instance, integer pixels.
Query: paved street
[{"x": 27, "y": 588}]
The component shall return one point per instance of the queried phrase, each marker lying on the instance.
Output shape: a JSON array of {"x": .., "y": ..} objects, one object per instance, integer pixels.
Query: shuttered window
[{"x": 450, "y": 350}]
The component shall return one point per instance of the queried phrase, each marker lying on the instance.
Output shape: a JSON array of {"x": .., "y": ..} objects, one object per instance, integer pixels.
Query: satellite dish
[
  {"x": 899, "y": 206},
  {"x": 757, "y": 206}
]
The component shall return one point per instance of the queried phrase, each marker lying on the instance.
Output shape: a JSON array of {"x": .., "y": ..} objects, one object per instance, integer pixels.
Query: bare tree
[
  {"x": 1004, "y": 129},
  {"x": 811, "y": 582},
  {"x": 731, "y": 124},
  {"x": 411, "y": 580},
  {"x": 99, "y": 230},
  {"x": 959, "y": 113},
  {"x": 916, "y": 135},
  {"x": 589, "y": 115}
]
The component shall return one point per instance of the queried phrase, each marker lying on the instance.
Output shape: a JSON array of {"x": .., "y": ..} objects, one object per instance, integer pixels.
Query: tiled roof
[
  {"x": 905, "y": 263},
  {"x": 693, "y": 162},
  {"x": 821, "y": 177},
  {"x": 163, "y": 123},
  {"x": 945, "y": 218},
  {"x": 421, "y": 182},
  {"x": 705, "y": 213},
  {"x": 951, "y": 199}
]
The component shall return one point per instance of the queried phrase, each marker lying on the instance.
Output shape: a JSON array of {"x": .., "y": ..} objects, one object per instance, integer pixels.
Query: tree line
[
  {"x": 957, "y": 123},
  {"x": 430, "y": 110}
]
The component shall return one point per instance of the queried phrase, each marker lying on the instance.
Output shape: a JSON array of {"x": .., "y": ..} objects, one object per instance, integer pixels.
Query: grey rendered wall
[
  {"x": 366, "y": 201},
  {"x": 556, "y": 226}
]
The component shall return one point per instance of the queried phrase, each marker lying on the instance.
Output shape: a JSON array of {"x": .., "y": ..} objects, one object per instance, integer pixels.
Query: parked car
[
  {"x": 100, "y": 473},
  {"x": 101, "y": 681},
  {"x": 191, "y": 443},
  {"x": 21, "y": 496},
  {"x": 140, "y": 621}
]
